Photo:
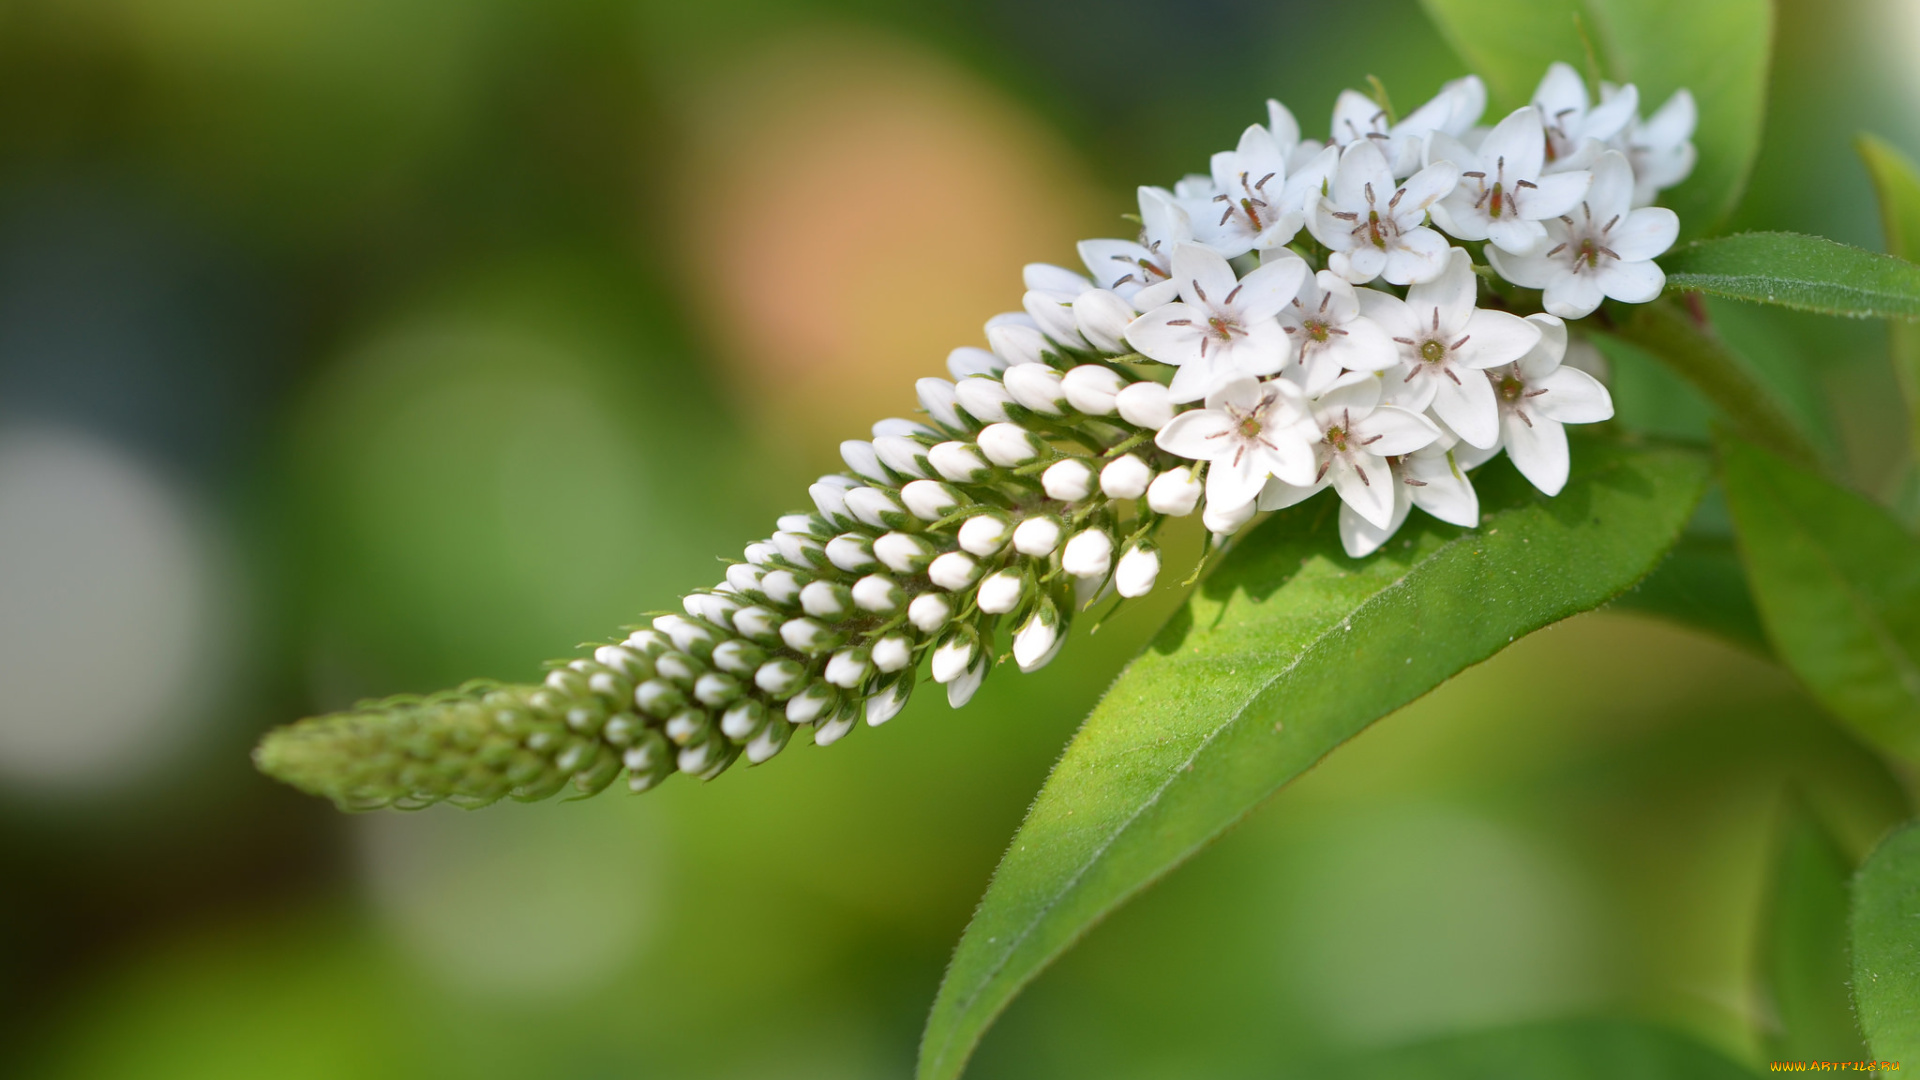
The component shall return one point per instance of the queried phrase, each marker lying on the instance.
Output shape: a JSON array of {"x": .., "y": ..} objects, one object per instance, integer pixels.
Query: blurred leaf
[
  {"x": 1582, "y": 1049},
  {"x": 1287, "y": 651},
  {"x": 1725, "y": 378},
  {"x": 1886, "y": 946},
  {"x": 1897, "y": 185},
  {"x": 1838, "y": 584},
  {"x": 1654, "y": 44},
  {"x": 1809, "y": 273},
  {"x": 1702, "y": 585},
  {"x": 1803, "y": 945}
]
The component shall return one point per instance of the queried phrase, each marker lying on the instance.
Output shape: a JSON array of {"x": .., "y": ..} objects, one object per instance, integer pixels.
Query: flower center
[
  {"x": 1433, "y": 351},
  {"x": 1337, "y": 438},
  {"x": 1511, "y": 387},
  {"x": 1250, "y": 426},
  {"x": 1222, "y": 328},
  {"x": 1318, "y": 331}
]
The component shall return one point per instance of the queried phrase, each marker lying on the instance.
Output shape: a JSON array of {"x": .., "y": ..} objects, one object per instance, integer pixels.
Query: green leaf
[
  {"x": 1886, "y": 946},
  {"x": 1654, "y": 44},
  {"x": 1284, "y": 653},
  {"x": 1837, "y": 580},
  {"x": 1808, "y": 273},
  {"x": 1897, "y": 183},
  {"x": 1702, "y": 585},
  {"x": 1803, "y": 945},
  {"x": 1576, "y": 1049}
]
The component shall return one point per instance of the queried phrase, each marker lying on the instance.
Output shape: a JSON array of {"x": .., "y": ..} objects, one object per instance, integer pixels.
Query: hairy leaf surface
[
  {"x": 1837, "y": 580},
  {"x": 1808, "y": 273},
  {"x": 1284, "y": 653},
  {"x": 1886, "y": 946}
]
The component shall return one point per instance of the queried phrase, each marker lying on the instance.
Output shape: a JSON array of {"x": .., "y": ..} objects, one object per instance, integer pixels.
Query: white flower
[
  {"x": 1353, "y": 436},
  {"x": 1372, "y": 227},
  {"x": 1248, "y": 432},
  {"x": 1046, "y": 277},
  {"x": 1102, "y": 318},
  {"x": 1127, "y": 266},
  {"x": 1225, "y": 521},
  {"x": 1539, "y": 396},
  {"x": 1602, "y": 248},
  {"x": 1252, "y": 205},
  {"x": 1430, "y": 478},
  {"x": 1324, "y": 321},
  {"x": 1038, "y": 640},
  {"x": 1444, "y": 343},
  {"x": 1139, "y": 568},
  {"x": 1454, "y": 111},
  {"x": 1575, "y": 132},
  {"x": 1502, "y": 197},
  {"x": 1660, "y": 149},
  {"x": 1286, "y": 136},
  {"x": 1222, "y": 328},
  {"x": 1017, "y": 337}
]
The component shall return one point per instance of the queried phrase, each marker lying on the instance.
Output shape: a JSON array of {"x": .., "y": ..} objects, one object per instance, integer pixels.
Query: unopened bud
[
  {"x": 878, "y": 593},
  {"x": 892, "y": 653},
  {"x": 958, "y": 462},
  {"x": 835, "y": 727},
  {"x": 1102, "y": 318},
  {"x": 1125, "y": 477},
  {"x": 828, "y": 600},
  {"x": 961, "y": 690},
  {"x": 1139, "y": 568},
  {"x": 744, "y": 577},
  {"x": 902, "y": 553},
  {"x": 760, "y": 553},
  {"x": 901, "y": 454},
  {"x": 781, "y": 586},
  {"x": 1145, "y": 404},
  {"x": 984, "y": 399},
  {"x": 1174, "y": 493},
  {"x": 1009, "y": 444},
  {"x": 861, "y": 457},
  {"x": 1037, "y": 387},
  {"x": 876, "y": 508},
  {"x": 831, "y": 499},
  {"x": 954, "y": 571},
  {"x": 1088, "y": 554},
  {"x": 1068, "y": 481},
  {"x": 952, "y": 656},
  {"x": 717, "y": 689},
  {"x": 1051, "y": 278},
  {"x": 984, "y": 534},
  {"x": 1001, "y": 592},
  {"x": 851, "y": 552},
  {"x": 799, "y": 548},
  {"x": 968, "y": 360},
  {"x": 1228, "y": 522},
  {"x": 1037, "y": 536},
  {"x": 848, "y": 668},
  {"x": 688, "y": 636},
  {"x": 1017, "y": 337},
  {"x": 770, "y": 741},
  {"x": 738, "y": 657},
  {"x": 780, "y": 677},
  {"x": 937, "y": 396},
  {"x": 659, "y": 698},
  {"x": 929, "y": 612},
  {"x": 817, "y": 700},
  {"x": 929, "y": 500},
  {"x": 899, "y": 427},
  {"x": 1091, "y": 388},
  {"x": 886, "y": 704},
  {"x": 756, "y": 623},
  {"x": 714, "y": 609},
  {"x": 808, "y": 636},
  {"x": 1038, "y": 639},
  {"x": 1052, "y": 312},
  {"x": 744, "y": 720}
]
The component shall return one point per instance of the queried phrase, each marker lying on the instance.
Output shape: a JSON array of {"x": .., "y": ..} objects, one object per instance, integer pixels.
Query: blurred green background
[{"x": 357, "y": 346}]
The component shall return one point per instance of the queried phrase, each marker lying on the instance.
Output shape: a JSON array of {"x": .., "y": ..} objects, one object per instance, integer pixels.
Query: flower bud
[
  {"x": 1038, "y": 639},
  {"x": 770, "y": 741},
  {"x": 826, "y": 600},
  {"x": 875, "y": 507},
  {"x": 851, "y": 552},
  {"x": 1145, "y": 404},
  {"x": 744, "y": 577},
  {"x": 781, "y": 586},
  {"x": 648, "y": 762},
  {"x": 903, "y": 553},
  {"x": 1017, "y": 337},
  {"x": 756, "y": 623},
  {"x": 831, "y": 499},
  {"x": 937, "y": 396},
  {"x": 678, "y": 668},
  {"x": 957, "y": 462},
  {"x": 1037, "y": 536},
  {"x": 1068, "y": 481},
  {"x": 984, "y": 534},
  {"x": 961, "y": 690},
  {"x": 902, "y": 455},
  {"x": 893, "y": 653},
  {"x": 626, "y": 661},
  {"x": 1174, "y": 493},
  {"x": 810, "y": 704},
  {"x": 835, "y": 727},
  {"x": 1125, "y": 477},
  {"x": 885, "y": 705},
  {"x": 713, "y": 609},
  {"x": 929, "y": 500},
  {"x": 717, "y": 689},
  {"x": 848, "y": 668},
  {"x": 929, "y": 612},
  {"x": 760, "y": 553},
  {"x": 804, "y": 525},
  {"x": 738, "y": 657},
  {"x": 688, "y": 636},
  {"x": 968, "y": 361},
  {"x": 1051, "y": 278},
  {"x": 898, "y": 427},
  {"x": 648, "y": 643},
  {"x": 659, "y": 698},
  {"x": 861, "y": 457},
  {"x": 1088, "y": 555},
  {"x": 1001, "y": 592},
  {"x": 1226, "y": 523},
  {"x": 808, "y": 636},
  {"x": 954, "y": 571},
  {"x": 984, "y": 399},
  {"x": 1090, "y": 388},
  {"x": 878, "y": 593},
  {"x": 1037, "y": 387},
  {"x": 952, "y": 656},
  {"x": 780, "y": 677},
  {"x": 743, "y": 720},
  {"x": 1052, "y": 312},
  {"x": 1139, "y": 568},
  {"x": 1009, "y": 444},
  {"x": 799, "y": 549},
  {"x": 1102, "y": 318}
]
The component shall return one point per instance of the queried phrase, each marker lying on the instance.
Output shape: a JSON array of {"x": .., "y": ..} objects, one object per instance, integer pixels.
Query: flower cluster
[{"x": 1296, "y": 319}]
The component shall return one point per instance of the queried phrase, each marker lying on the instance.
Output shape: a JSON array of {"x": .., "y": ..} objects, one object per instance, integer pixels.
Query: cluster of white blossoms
[{"x": 1296, "y": 319}]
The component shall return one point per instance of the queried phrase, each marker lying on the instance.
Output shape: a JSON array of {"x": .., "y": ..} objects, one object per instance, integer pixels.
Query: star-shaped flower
[
  {"x": 1576, "y": 133},
  {"x": 1248, "y": 431},
  {"x": 1660, "y": 148},
  {"x": 1454, "y": 110},
  {"x": 1353, "y": 436},
  {"x": 1538, "y": 396},
  {"x": 1222, "y": 328},
  {"x": 1373, "y": 227},
  {"x": 1601, "y": 248},
  {"x": 1286, "y": 135},
  {"x": 1129, "y": 266},
  {"x": 1332, "y": 337},
  {"x": 1251, "y": 205},
  {"x": 1501, "y": 196},
  {"x": 1431, "y": 478},
  {"x": 1445, "y": 342}
]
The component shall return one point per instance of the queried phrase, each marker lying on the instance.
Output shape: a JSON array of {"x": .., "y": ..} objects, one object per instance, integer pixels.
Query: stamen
[
  {"x": 1234, "y": 293},
  {"x": 1557, "y": 249},
  {"x": 1363, "y": 474},
  {"x": 1464, "y": 338},
  {"x": 1370, "y": 442},
  {"x": 1411, "y": 482},
  {"x": 1198, "y": 291},
  {"x": 1535, "y": 393},
  {"x": 1526, "y": 184},
  {"x": 1608, "y": 227},
  {"x": 1179, "y": 322},
  {"x": 1322, "y": 474},
  {"x": 1451, "y": 375}
]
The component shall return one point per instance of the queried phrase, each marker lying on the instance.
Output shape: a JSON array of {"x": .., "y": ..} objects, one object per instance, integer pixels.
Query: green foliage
[
  {"x": 1582, "y": 1049},
  {"x": 1701, "y": 584},
  {"x": 1808, "y": 273},
  {"x": 1897, "y": 184},
  {"x": 1886, "y": 946},
  {"x": 1289, "y": 650},
  {"x": 1654, "y": 44},
  {"x": 1837, "y": 580},
  {"x": 1803, "y": 946}
]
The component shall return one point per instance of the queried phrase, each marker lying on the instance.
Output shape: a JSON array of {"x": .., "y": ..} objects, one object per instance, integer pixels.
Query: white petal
[
  {"x": 1572, "y": 397},
  {"x": 1612, "y": 116},
  {"x": 1495, "y": 338},
  {"x": 1446, "y": 493},
  {"x": 1280, "y": 121},
  {"x": 1278, "y": 494},
  {"x": 1468, "y": 407},
  {"x": 1205, "y": 278},
  {"x": 1389, "y": 312},
  {"x": 1521, "y": 141},
  {"x": 1116, "y": 264},
  {"x": 1362, "y": 165},
  {"x": 1455, "y": 215},
  {"x": 1451, "y": 293},
  {"x": 1363, "y": 347},
  {"x": 1287, "y": 456},
  {"x": 1538, "y": 450},
  {"x": 1518, "y": 236},
  {"x": 1548, "y": 352},
  {"x": 1361, "y": 537},
  {"x": 1421, "y": 255},
  {"x": 1364, "y": 483},
  {"x": 1198, "y": 435},
  {"x": 1268, "y": 289},
  {"x": 1526, "y": 271},
  {"x": 1395, "y": 431},
  {"x": 1570, "y": 296},
  {"x": 1235, "y": 480},
  {"x": 1170, "y": 333},
  {"x": 1355, "y": 394},
  {"x": 1196, "y": 379},
  {"x": 1632, "y": 282},
  {"x": 1554, "y": 195},
  {"x": 1046, "y": 277},
  {"x": 1355, "y": 116},
  {"x": 968, "y": 360},
  {"x": 1645, "y": 234},
  {"x": 1360, "y": 265},
  {"x": 1562, "y": 89},
  {"x": 1423, "y": 189},
  {"x": 1612, "y": 190}
]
